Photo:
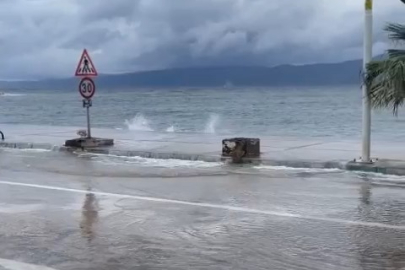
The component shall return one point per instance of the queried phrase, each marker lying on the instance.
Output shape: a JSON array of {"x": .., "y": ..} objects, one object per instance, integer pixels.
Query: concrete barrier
[{"x": 200, "y": 151}]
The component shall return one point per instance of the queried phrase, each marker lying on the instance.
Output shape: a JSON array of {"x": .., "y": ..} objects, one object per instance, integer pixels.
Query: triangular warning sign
[{"x": 85, "y": 66}]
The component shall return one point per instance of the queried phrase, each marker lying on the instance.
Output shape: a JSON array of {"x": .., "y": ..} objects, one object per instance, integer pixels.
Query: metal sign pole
[
  {"x": 87, "y": 104},
  {"x": 88, "y": 123}
]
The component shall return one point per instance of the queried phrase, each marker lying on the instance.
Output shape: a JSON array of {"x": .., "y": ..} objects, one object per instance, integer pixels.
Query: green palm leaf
[
  {"x": 396, "y": 31},
  {"x": 386, "y": 78}
]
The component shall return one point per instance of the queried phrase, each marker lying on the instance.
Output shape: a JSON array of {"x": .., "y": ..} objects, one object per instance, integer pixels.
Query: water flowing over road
[{"x": 67, "y": 211}]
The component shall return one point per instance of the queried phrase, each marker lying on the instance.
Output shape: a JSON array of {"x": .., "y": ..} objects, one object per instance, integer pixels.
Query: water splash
[
  {"x": 138, "y": 123},
  {"x": 212, "y": 124},
  {"x": 171, "y": 129}
]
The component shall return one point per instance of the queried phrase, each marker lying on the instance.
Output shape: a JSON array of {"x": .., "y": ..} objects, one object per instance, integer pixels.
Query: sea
[
  {"x": 333, "y": 112},
  {"x": 62, "y": 210}
]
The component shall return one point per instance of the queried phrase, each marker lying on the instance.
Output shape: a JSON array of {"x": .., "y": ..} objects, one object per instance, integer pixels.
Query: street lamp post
[{"x": 367, "y": 57}]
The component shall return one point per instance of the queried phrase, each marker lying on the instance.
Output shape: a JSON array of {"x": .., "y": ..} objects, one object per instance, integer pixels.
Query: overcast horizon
[{"x": 45, "y": 38}]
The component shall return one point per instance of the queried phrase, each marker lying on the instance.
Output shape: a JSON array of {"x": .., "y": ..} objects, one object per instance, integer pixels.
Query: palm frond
[
  {"x": 373, "y": 71},
  {"x": 386, "y": 82},
  {"x": 385, "y": 78},
  {"x": 396, "y": 54},
  {"x": 396, "y": 31}
]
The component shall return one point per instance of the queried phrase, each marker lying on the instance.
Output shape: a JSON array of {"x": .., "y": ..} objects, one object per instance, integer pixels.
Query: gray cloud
[{"x": 44, "y": 38}]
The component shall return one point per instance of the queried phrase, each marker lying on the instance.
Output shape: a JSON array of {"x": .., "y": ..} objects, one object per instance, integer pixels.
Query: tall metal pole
[{"x": 367, "y": 57}]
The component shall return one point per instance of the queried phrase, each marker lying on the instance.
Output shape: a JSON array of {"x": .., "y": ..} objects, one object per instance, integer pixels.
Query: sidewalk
[{"x": 282, "y": 151}]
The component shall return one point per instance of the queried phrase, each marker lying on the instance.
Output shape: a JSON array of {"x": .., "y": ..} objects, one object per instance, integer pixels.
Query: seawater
[{"x": 333, "y": 112}]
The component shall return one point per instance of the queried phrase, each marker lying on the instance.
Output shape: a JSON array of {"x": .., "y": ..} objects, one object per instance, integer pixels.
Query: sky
[{"x": 45, "y": 38}]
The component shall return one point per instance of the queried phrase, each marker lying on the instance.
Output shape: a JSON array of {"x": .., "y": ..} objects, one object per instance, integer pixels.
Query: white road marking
[{"x": 209, "y": 205}]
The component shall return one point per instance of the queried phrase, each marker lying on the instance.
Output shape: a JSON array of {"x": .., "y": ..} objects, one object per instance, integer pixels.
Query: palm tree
[{"x": 386, "y": 78}]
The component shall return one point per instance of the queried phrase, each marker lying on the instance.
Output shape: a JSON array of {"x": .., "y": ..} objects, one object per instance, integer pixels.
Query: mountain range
[{"x": 348, "y": 72}]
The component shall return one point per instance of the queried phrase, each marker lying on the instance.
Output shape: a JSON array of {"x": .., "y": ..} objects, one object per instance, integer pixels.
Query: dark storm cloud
[{"x": 41, "y": 38}]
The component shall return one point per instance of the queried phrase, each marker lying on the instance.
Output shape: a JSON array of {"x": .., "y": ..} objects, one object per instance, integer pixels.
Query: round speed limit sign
[{"x": 87, "y": 88}]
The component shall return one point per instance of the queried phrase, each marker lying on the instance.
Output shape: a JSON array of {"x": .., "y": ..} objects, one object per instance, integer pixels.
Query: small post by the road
[{"x": 87, "y": 87}]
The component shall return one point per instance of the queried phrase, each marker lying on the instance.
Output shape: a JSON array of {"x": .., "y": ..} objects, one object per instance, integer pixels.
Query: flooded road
[{"x": 70, "y": 211}]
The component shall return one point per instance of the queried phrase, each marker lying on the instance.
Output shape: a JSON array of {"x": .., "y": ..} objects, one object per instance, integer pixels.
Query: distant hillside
[{"x": 285, "y": 75}]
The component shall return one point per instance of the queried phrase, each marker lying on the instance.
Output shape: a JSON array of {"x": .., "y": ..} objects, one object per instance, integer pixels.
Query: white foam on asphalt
[
  {"x": 379, "y": 176},
  {"x": 15, "y": 265},
  {"x": 151, "y": 162},
  {"x": 212, "y": 206},
  {"x": 285, "y": 168},
  {"x": 28, "y": 150}
]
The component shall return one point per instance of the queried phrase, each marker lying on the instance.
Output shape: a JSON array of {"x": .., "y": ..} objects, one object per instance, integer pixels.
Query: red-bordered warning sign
[
  {"x": 87, "y": 88},
  {"x": 85, "y": 66}
]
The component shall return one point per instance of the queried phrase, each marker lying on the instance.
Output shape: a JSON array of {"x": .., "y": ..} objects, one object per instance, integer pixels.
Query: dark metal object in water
[
  {"x": 89, "y": 142},
  {"x": 240, "y": 148}
]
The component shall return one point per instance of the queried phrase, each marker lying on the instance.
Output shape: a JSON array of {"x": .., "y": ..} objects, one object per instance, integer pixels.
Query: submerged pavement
[
  {"x": 62, "y": 211},
  {"x": 282, "y": 151}
]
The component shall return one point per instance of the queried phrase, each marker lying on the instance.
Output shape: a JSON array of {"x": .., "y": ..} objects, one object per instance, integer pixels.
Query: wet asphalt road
[{"x": 61, "y": 211}]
